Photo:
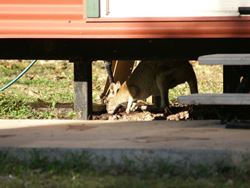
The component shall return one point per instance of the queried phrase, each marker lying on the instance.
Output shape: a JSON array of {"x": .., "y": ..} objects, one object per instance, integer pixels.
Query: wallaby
[{"x": 151, "y": 78}]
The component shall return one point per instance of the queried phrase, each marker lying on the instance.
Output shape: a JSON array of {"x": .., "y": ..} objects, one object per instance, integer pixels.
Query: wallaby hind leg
[
  {"x": 193, "y": 85},
  {"x": 192, "y": 81},
  {"x": 163, "y": 88}
]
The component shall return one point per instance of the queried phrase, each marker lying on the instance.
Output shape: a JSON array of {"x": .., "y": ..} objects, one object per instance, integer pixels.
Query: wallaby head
[
  {"x": 118, "y": 95},
  {"x": 111, "y": 91}
]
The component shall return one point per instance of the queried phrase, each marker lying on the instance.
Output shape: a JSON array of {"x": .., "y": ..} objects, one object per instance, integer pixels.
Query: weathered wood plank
[
  {"x": 215, "y": 99},
  {"x": 225, "y": 59}
]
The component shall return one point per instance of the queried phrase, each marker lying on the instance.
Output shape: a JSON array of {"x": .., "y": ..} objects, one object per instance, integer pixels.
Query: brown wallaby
[{"x": 151, "y": 78}]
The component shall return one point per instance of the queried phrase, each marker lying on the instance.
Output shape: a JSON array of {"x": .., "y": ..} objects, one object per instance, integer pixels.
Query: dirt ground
[{"x": 174, "y": 113}]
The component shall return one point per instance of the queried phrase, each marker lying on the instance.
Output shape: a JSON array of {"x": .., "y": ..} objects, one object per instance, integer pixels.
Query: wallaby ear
[
  {"x": 116, "y": 87},
  {"x": 118, "y": 84},
  {"x": 113, "y": 89},
  {"x": 112, "y": 86}
]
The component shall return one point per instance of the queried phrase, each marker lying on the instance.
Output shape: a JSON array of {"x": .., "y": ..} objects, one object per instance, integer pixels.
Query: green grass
[
  {"x": 45, "y": 84},
  {"x": 41, "y": 92},
  {"x": 80, "y": 171},
  {"x": 14, "y": 107},
  {"x": 48, "y": 85}
]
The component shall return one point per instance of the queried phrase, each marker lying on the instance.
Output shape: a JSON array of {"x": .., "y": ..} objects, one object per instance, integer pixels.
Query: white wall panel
[{"x": 171, "y": 8}]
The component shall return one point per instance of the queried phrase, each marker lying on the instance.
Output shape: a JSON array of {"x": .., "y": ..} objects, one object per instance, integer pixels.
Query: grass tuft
[{"x": 83, "y": 170}]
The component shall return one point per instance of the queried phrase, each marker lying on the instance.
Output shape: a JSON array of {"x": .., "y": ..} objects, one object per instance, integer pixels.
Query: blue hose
[{"x": 18, "y": 77}]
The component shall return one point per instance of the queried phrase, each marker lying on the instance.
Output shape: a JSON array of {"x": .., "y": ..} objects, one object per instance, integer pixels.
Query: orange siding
[
  {"x": 66, "y": 19},
  {"x": 41, "y": 10},
  {"x": 29, "y": 2}
]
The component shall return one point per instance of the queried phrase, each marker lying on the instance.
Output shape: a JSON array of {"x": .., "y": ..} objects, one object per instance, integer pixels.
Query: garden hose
[{"x": 18, "y": 77}]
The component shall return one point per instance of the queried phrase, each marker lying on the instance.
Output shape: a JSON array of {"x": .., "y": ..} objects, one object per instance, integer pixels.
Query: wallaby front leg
[
  {"x": 133, "y": 106},
  {"x": 130, "y": 102},
  {"x": 192, "y": 82}
]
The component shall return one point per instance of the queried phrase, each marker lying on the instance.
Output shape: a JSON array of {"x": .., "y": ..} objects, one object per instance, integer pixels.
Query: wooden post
[{"x": 83, "y": 89}]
